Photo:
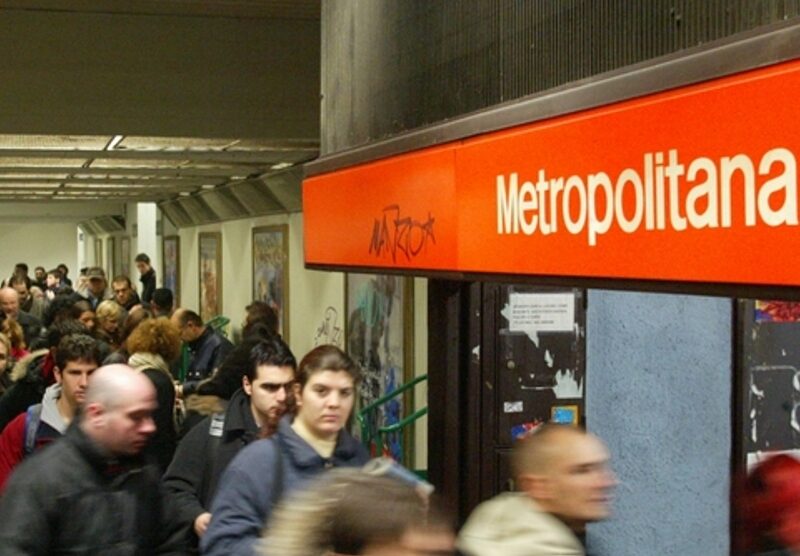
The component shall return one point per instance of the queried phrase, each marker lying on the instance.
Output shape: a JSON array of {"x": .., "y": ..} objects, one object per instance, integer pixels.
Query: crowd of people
[{"x": 130, "y": 427}]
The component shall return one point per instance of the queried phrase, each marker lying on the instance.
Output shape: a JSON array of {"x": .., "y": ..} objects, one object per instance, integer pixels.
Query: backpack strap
[{"x": 33, "y": 417}]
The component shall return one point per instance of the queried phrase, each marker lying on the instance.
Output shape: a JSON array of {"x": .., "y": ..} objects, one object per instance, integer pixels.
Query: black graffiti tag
[{"x": 394, "y": 234}]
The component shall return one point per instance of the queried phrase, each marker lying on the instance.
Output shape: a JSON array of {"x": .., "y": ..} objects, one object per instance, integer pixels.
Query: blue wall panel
[{"x": 659, "y": 394}]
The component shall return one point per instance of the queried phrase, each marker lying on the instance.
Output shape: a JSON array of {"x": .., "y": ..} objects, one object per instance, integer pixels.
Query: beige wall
[{"x": 38, "y": 243}]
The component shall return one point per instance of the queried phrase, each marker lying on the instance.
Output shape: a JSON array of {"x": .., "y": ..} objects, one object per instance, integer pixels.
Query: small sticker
[
  {"x": 525, "y": 429},
  {"x": 512, "y": 407},
  {"x": 564, "y": 414}
]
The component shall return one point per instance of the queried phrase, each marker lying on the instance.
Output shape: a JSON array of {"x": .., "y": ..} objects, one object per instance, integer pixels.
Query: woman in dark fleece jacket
[{"x": 315, "y": 440}]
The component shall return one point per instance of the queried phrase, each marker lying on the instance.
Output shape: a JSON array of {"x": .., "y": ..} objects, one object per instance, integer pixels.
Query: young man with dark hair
[
  {"x": 27, "y": 303},
  {"x": 147, "y": 276},
  {"x": 162, "y": 302},
  {"x": 209, "y": 446},
  {"x": 124, "y": 294},
  {"x": 77, "y": 358},
  {"x": 65, "y": 281}
]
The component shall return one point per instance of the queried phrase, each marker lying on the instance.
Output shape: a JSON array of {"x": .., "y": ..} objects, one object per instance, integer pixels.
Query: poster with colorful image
[
  {"x": 271, "y": 271},
  {"x": 777, "y": 311},
  {"x": 210, "y": 285}
]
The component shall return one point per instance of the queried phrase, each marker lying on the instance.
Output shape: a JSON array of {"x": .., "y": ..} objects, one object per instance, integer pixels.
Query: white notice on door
[{"x": 541, "y": 312}]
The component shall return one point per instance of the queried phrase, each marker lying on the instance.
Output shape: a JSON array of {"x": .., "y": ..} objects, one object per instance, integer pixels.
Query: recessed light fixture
[
  {"x": 185, "y": 193},
  {"x": 281, "y": 165},
  {"x": 207, "y": 186},
  {"x": 116, "y": 140}
]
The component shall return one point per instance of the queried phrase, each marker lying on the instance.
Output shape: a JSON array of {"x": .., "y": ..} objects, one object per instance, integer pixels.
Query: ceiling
[
  {"x": 136, "y": 169},
  {"x": 44, "y": 168}
]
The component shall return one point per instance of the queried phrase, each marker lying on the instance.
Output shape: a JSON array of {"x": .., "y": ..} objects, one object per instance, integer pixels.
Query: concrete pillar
[{"x": 146, "y": 237}]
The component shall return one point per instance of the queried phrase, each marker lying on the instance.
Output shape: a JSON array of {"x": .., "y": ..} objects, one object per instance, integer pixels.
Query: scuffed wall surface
[{"x": 659, "y": 393}]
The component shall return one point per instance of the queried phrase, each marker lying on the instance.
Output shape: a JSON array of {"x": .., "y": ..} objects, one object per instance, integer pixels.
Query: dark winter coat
[
  {"x": 31, "y": 376},
  {"x": 251, "y": 484},
  {"x": 71, "y": 499},
  {"x": 148, "y": 280},
  {"x": 205, "y": 452},
  {"x": 205, "y": 354}
]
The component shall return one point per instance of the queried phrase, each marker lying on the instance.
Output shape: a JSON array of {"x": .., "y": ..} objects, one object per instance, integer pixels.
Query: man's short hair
[
  {"x": 163, "y": 298},
  {"x": 77, "y": 347},
  {"x": 62, "y": 329},
  {"x": 122, "y": 278},
  {"x": 272, "y": 352},
  {"x": 534, "y": 453},
  {"x": 326, "y": 358},
  {"x": 21, "y": 266},
  {"x": 56, "y": 273},
  {"x": 142, "y": 258},
  {"x": 64, "y": 269},
  {"x": 18, "y": 278},
  {"x": 38, "y": 268},
  {"x": 187, "y": 316}
]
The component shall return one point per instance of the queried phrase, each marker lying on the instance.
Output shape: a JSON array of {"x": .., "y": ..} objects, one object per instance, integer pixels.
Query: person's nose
[
  {"x": 84, "y": 380},
  {"x": 282, "y": 392},
  {"x": 148, "y": 426},
  {"x": 334, "y": 400}
]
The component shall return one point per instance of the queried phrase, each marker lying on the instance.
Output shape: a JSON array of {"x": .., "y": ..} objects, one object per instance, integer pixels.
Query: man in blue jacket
[{"x": 315, "y": 440}]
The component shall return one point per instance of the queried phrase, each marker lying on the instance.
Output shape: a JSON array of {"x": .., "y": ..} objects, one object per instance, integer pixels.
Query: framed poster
[
  {"x": 171, "y": 269},
  {"x": 271, "y": 271},
  {"x": 98, "y": 252},
  {"x": 125, "y": 257},
  {"x": 210, "y": 277},
  {"x": 110, "y": 258},
  {"x": 379, "y": 332}
]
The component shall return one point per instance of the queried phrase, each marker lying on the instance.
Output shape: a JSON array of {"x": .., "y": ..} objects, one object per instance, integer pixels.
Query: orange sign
[{"x": 695, "y": 184}]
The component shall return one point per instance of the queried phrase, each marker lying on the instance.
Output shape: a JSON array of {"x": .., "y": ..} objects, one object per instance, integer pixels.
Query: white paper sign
[{"x": 541, "y": 312}]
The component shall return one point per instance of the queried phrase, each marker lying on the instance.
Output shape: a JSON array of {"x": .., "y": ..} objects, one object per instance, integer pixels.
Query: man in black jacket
[
  {"x": 207, "y": 348},
  {"x": 208, "y": 448},
  {"x": 147, "y": 276},
  {"x": 91, "y": 492}
]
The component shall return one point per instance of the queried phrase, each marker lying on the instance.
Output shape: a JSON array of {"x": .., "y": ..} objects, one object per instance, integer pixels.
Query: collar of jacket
[
  {"x": 144, "y": 277},
  {"x": 195, "y": 345},
  {"x": 99, "y": 458},
  {"x": 238, "y": 416},
  {"x": 303, "y": 455}
]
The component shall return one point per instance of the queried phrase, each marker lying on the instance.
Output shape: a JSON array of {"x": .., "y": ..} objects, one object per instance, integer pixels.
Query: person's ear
[
  {"x": 535, "y": 485},
  {"x": 246, "y": 386},
  {"x": 297, "y": 389},
  {"x": 57, "y": 373}
]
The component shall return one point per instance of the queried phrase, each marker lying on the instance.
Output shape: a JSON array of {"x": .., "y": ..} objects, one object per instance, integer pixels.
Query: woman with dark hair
[
  {"x": 304, "y": 446},
  {"x": 153, "y": 345},
  {"x": 768, "y": 507}
]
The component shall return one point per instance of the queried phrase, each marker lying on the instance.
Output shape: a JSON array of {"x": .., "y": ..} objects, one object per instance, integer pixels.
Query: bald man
[
  {"x": 91, "y": 492},
  {"x": 10, "y": 306},
  {"x": 564, "y": 482}
]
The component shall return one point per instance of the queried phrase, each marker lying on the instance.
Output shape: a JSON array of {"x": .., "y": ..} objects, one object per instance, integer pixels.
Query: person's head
[
  {"x": 260, "y": 312},
  {"x": 21, "y": 268},
  {"x": 96, "y": 281},
  {"x": 9, "y": 302},
  {"x": 123, "y": 291},
  {"x": 83, "y": 312},
  {"x": 189, "y": 324},
  {"x": 63, "y": 269},
  {"x": 347, "y": 511},
  {"x": 14, "y": 332},
  {"x": 39, "y": 273},
  {"x": 142, "y": 263},
  {"x": 110, "y": 316},
  {"x": 22, "y": 284},
  {"x": 566, "y": 471},
  {"x": 77, "y": 358},
  {"x": 118, "y": 411},
  {"x": 53, "y": 278},
  {"x": 325, "y": 391},
  {"x": 768, "y": 505},
  {"x": 162, "y": 301},
  {"x": 156, "y": 335},
  {"x": 269, "y": 380}
]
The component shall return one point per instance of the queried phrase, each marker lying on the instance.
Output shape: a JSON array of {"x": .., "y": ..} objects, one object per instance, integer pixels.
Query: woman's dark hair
[
  {"x": 260, "y": 312},
  {"x": 326, "y": 358},
  {"x": 61, "y": 307}
]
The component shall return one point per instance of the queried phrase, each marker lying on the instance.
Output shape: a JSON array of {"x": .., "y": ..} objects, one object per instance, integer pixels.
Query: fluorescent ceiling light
[
  {"x": 116, "y": 140},
  {"x": 281, "y": 165}
]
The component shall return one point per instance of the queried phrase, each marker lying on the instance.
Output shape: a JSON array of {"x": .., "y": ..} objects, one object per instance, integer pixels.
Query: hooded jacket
[
  {"x": 512, "y": 524},
  {"x": 51, "y": 425},
  {"x": 258, "y": 477}
]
